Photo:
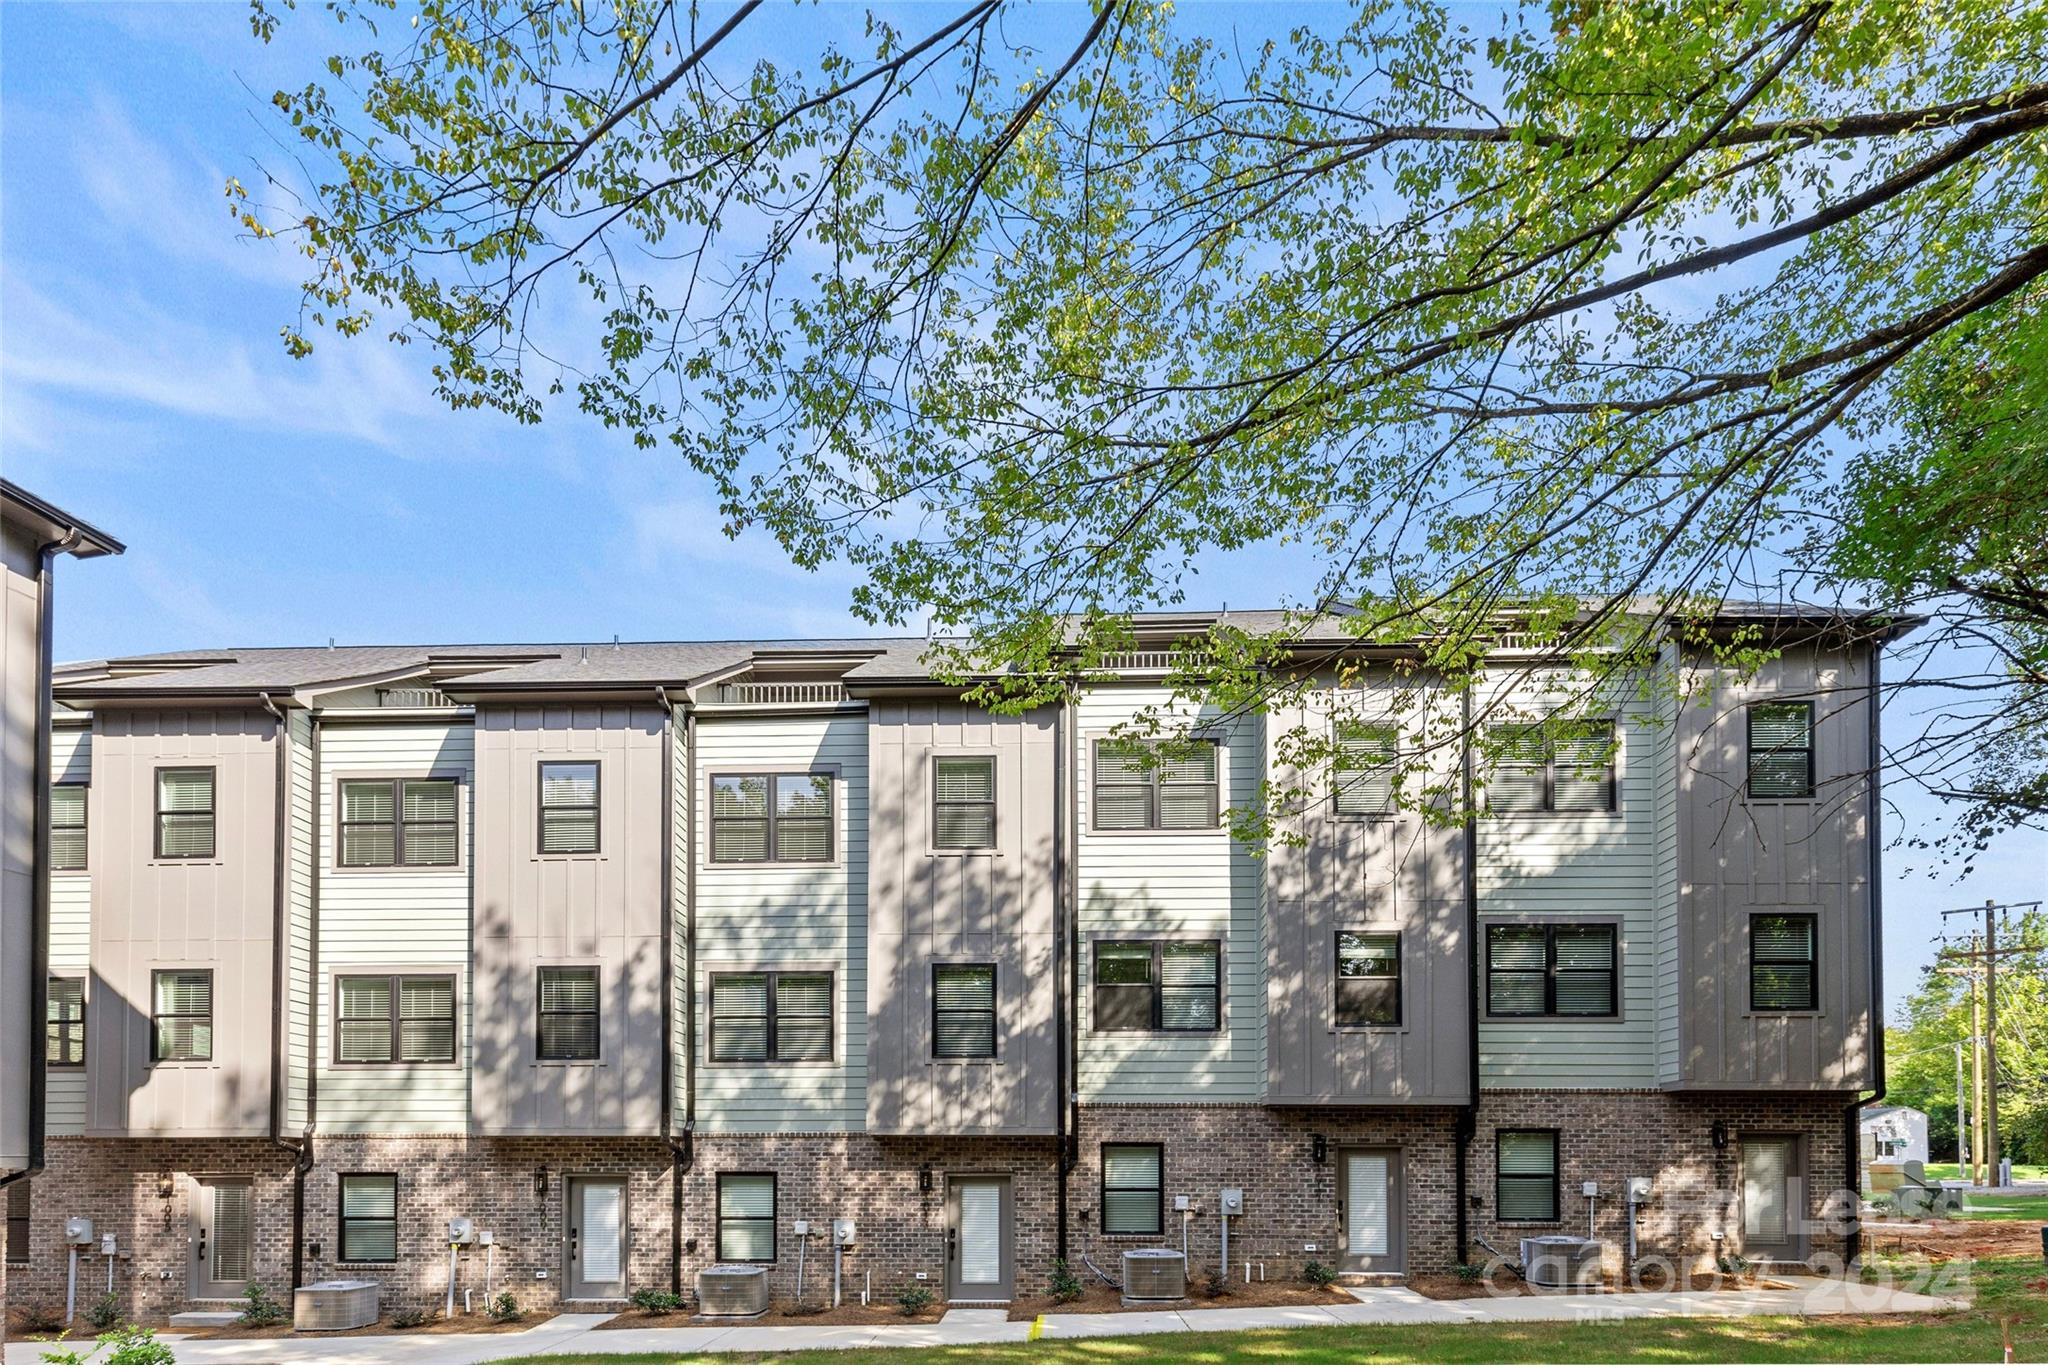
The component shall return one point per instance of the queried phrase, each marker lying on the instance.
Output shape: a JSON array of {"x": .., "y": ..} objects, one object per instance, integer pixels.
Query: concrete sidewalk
[{"x": 570, "y": 1333}]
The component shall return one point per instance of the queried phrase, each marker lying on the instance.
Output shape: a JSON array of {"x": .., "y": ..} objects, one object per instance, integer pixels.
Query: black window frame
[
  {"x": 1550, "y": 968},
  {"x": 1158, "y": 1227},
  {"x": 1156, "y": 984},
  {"x": 212, "y": 811},
  {"x": 1338, "y": 979},
  {"x": 1811, "y": 962},
  {"x": 398, "y": 824},
  {"x": 82, "y": 826},
  {"x": 1611, "y": 783},
  {"x": 773, "y": 820},
  {"x": 343, "y": 1219},
  {"x": 541, "y": 807},
  {"x": 542, "y": 1012},
  {"x": 939, "y": 803},
  {"x": 1155, "y": 786},
  {"x": 395, "y": 1018},
  {"x": 1750, "y": 751},
  {"x": 1556, "y": 1176},
  {"x": 771, "y": 978},
  {"x": 995, "y": 978},
  {"x": 773, "y": 1219},
  {"x": 62, "y": 1031},
  {"x": 20, "y": 1226},
  {"x": 155, "y": 1016}
]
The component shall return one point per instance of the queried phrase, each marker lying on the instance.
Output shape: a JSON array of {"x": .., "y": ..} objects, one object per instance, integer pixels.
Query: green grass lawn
[
  {"x": 2026, "y": 1208},
  {"x": 2010, "y": 1297},
  {"x": 1948, "y": 1170}
]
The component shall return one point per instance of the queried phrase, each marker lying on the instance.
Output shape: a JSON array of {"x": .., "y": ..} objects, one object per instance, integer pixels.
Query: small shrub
[
  {"x": 105, "y": 1313},
  {"x": 259, "y": 1309},
  {"x": 1216, "y": 1285},
  {"x": 656, "y": 1302},
  {"x": 410, "y": 1315},
  {"x": 1318, "y": 1274},
  {"x": 505, "y": 1308},
  {"x": 34, "y": 1319},
  {"x": 914, "y": 1299},
  {"x": 134, "y": 1345},
  {"x": 796, "y": 1309},
  {"x": 1732, "y": 1263},
  {"x": 65, "y": 1357},
  {"x": 1469, "y": 1273},
  {"x": 1064, "y": 1284}
]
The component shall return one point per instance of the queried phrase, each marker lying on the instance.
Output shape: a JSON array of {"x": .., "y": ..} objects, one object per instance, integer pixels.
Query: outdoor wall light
[
  {"x": 166, "y": 1185},
  {"x": 1318, "y": 1148},
  {"x": 540, "y": 1182},
  {"x": 924, "y": 1178},
  {"x": 1719, "y": 1134}
]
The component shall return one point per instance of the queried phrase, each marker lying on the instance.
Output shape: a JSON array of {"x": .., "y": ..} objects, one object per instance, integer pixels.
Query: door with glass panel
[
  {"x": 597, "y": 1237},
  {"x": 1369, "y": 1217},
  {"x": 222, "y": 1241},
  {"x": 978, "y": 1259},
  {"x": 1771, "y": 1188}
]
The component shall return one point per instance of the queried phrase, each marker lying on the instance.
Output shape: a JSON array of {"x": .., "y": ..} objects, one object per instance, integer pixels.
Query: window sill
[
  {"x": 570, "y": 1064},
  {"x": 1213, "y": 831},
  {"x": 393, "y": 1066},
  {"x": 1370, "y": 1028},
  {"x": 964, "y": 1061},
  {"x": 963, "y": 853},
  {"x": 562, "y": 858},
  {"x": 364, "y": 1265},
  {"x": 386, "y": 869},
  {"x": 185, "y": 862},
  {"x": 1784, "y": 1014},
  {"x": 1551, "y": 1019}
]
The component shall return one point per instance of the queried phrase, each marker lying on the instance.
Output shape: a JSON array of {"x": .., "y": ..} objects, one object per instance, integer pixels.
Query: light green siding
[
  {"x": 298, "y": 913},
  {"x": 70, "y": 932},
  {"x": 1590, "y": 867},
  {"x": 1182, "y": 884},
  {"x": 753, "y": 916},
  {"x": 398, "y": 919}
]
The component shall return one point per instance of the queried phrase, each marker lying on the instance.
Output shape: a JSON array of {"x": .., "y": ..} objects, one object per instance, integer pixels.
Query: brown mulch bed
[
  {"x": 18, "y": 1328},
  {"x": 883, "y": 1313},
  {"x": 1100, "y": 1298},
  {"x": 476, "y": 1324},
  {"x": 1506, "y": 1286}
]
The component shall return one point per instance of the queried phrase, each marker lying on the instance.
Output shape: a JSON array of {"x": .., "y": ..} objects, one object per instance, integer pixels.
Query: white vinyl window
[
  {"x": 1364, "y": 767},
  {"x": 67, "y": 827},
  {"x": 964, "y": 803},
  {"x": 771, "y": 818}
]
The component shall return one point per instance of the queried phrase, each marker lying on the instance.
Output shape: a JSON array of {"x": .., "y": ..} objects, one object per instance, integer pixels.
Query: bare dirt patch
[
  {"x": 1947, "y": 1239},
  {"x": 785, "y": 1314},
  {"x": 1100, "y": 1298}
]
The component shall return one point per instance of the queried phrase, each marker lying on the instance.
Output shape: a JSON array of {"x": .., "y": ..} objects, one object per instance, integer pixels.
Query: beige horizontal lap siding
[
  {"x": 70, "y": 931},
  {"x": 299, "y": 862},
  {"x": 1596, "y": 867},
  {"x": 1180, "y": 884},
  {"x": 762, "y": 915},
  {"x": 416, "y": 919}
]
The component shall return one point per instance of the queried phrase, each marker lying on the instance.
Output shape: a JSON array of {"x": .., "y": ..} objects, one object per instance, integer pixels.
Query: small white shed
[{"x": 1894, "y": 1133}]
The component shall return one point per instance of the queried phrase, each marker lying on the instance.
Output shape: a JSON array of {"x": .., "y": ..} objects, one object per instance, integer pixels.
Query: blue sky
[{"x": 268, "y": 501}]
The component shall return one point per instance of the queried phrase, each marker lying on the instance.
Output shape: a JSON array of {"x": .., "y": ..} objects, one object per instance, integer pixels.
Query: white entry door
[
  {"x": 1369, "y": 1209},
  {"x": 597, "y": 1237},
  {"x": 978, "y": 1239}
]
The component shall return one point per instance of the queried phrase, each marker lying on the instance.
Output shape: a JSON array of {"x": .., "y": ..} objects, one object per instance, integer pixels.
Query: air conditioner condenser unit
[{"x": 1155, "y": 1275}]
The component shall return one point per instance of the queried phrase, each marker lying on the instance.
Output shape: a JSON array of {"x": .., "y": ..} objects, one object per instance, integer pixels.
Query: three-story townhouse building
[{"x": 648, "y": 957}]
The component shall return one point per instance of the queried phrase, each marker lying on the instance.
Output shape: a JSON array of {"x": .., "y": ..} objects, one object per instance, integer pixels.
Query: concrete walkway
[{"x": 570, "y": 1333}]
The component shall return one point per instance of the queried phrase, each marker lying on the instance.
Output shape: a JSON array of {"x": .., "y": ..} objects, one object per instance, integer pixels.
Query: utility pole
[
  {"x": 1986, "y": 960},
  {"x": 1962, "y": 1112}
]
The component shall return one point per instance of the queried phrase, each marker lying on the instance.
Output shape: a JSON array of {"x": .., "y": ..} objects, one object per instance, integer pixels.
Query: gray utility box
[
  {"x": 1154, "y": 1275},
  {"x": 732, "y": 1291},
  {"x": 334, "y": 1305},
  {"x": 1562, "y": 1262}
]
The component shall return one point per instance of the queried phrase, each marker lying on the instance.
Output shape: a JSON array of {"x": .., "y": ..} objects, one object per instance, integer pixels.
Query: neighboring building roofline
[{"x": 56, "y": 524}]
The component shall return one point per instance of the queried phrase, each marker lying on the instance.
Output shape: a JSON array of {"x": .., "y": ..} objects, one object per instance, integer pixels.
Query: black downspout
[
  {"x": 280, "y": 945},
  {"x": 39, "y": 877},
  {"x": 1059, "y": 993},
  {"x": 1468, "y": 1117},
  {"x": 668, "y": 990},
  {"x": 1072, "y": 888},
  {"x": 1852, "y": 1127},
  {"x": 685, "y": 1156}
]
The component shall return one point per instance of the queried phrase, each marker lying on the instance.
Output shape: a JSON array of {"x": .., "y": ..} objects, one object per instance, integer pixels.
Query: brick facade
[
  {"x": 1609, "y": 1136},
  {"x": 1269, "y": 1153}
]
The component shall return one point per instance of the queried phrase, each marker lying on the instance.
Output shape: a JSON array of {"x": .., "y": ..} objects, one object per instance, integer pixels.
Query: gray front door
[
  {"x": 221, "y": 1228},
  {"x": 1772, "y": 1199},
  {"x": 1369, "y": 1209},
  {"x": 597, "y": 1237},
  {"x": 978, "y": 1238}
]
